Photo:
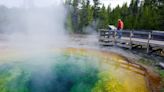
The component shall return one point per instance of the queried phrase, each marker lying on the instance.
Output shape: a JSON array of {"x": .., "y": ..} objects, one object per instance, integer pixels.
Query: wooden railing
[{"x": 151, "y": 41}]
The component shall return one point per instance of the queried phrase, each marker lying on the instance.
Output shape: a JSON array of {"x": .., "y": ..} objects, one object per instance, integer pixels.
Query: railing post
[
  {"x": 131, "y": 35},
  {"x": 148, "y": 43},
  {"x": 108, "y": 35},
  {"x": 114, "y": 35},
  {"x": 99, "y": 34}
]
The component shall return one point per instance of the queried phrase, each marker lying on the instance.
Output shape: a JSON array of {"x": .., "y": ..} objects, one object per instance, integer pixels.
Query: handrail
[
  {"x": 153, "y": 40},
  {"x": 154, "y": 34}
]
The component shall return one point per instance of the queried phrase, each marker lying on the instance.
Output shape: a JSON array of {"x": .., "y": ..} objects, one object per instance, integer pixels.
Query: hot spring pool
[{"x": 72, "y": 70}]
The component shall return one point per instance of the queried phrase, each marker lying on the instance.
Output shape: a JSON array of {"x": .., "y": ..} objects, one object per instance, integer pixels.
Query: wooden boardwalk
[{"x": 151, "y": 42}]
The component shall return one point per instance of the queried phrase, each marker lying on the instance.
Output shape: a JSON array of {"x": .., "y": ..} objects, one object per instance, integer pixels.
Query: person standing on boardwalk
[{"x": 120, "y": 27}]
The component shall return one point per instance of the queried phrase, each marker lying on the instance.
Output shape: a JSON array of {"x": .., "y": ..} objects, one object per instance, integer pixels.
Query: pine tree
[
  {"x": 133, "y": 14},
  {"x": 124, "y": 14},
  {"x": 96, "y": 9},
  {"x": 103, "y": 18},
  {"x": 148, "y": 15},
  {"x": 85, "y": 15},
  {"x": 75, "y": 15},
  {"x": 109, "y": 10},
  {"x": 115, "y": 15},
  {"x": 161, "y": 12},
  {"x": 89, "y": 12}
]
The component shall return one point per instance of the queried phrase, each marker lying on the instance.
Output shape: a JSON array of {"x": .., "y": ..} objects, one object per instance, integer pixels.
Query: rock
[{"x": 160, "y": 65}]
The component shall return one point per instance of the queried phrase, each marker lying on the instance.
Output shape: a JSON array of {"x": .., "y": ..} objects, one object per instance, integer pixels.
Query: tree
[
  {"x": 109, "y": 10},
  {"x": 125, "y": 14},
  {"x": 96, "y": 9},
  {"x": 132, "y": 18},
  {"x": 103, "y": 18},
  {"x": 161, "y": 12},
  {"x": 85, "y": 14},
  {"x": 115, "y": 15},
  {"x": 4, "y": 19},
  {"x": 89, "y": 12},
  {"x": 75, "y": 15},
  {"x": 147, "y": 15}
]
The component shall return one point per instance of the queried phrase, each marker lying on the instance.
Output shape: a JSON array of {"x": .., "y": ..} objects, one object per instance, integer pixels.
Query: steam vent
[{"x": 73, "y": 70}]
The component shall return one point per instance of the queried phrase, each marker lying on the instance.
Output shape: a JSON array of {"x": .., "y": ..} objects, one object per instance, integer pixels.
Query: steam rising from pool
[{"x": 37, "y": 29}]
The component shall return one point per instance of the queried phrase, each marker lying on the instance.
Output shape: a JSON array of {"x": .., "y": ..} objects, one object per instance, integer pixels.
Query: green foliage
[
  {"x": 147, "y": 15},
  {"x": 115, "y": 15},
  {"x": 161, "y": 12},
  {"x": 85, "y": 14},
  {"x": 103, "y": 18},
  {"x": 96, "y": 9}
]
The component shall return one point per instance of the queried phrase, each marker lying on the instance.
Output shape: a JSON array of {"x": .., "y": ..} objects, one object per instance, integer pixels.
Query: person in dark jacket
[{"x": 120, "y": 27}]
